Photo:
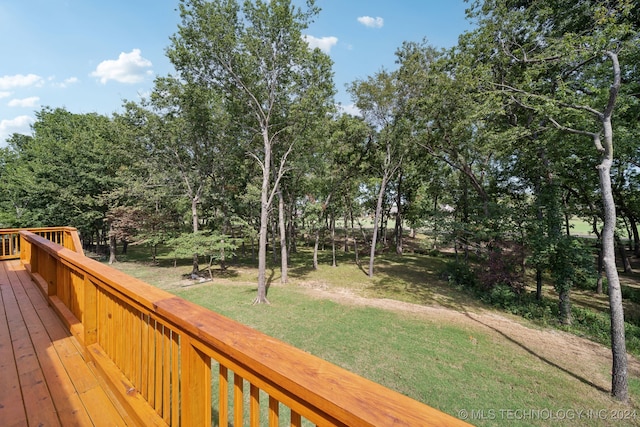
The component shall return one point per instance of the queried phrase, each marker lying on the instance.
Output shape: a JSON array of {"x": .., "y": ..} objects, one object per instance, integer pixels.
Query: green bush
[
  {"x": 460, "y": 274},
  {"x": 597, "y": 326}
]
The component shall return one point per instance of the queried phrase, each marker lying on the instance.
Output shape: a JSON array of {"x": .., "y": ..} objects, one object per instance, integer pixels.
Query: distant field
[{"x": 580, "y": 227}]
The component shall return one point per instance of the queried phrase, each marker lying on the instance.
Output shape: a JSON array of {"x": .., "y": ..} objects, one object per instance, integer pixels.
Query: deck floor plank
[
  {"x": 37, "y": 399},
  {"x": 12, "y": 412},
  {"x": 69, "y": 406},
  {"x": 47, "y": 379}
]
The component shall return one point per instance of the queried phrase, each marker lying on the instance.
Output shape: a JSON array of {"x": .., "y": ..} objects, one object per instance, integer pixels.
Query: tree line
[{"x": 494, "y": 145}]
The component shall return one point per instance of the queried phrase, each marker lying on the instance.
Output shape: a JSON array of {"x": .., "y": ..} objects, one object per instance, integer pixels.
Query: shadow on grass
[
  {"x": 416, "y": 276},
  {"x": 540, "y": 357}
]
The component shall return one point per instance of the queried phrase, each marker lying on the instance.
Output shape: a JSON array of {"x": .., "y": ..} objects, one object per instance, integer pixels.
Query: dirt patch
[{"x": 581, "y": 358}]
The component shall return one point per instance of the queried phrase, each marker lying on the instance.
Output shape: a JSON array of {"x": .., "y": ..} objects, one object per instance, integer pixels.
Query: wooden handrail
[
  {"x": 10, "y": 239},
  {"x": 161, "y": 354}
]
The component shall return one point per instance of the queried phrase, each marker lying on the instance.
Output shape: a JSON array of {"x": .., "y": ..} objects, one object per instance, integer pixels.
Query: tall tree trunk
[
  {"x": 636, "y": 236},
  {"x": 195, "y": 224},
  {"x": 333, "y": 240},
  {"x": 154, "y": 254},
  {"x": 398, "y": 226},
  {"x": 315, "y": 250},
  {"x": 355, "y": 241},
  {"x": 619, "y": 377},
  {"x": 465, "y": 220},
  {"x": 376, "y": 219},
  {"x": 112, "y": 245},
  {"x": 274, "y": 246},
  {"x": 619, "y": 380},
  {"x": 436, "y": 223},
  {"x": 629, "y": 236},
  {"x": 346, "y": 227},
  {"x": 283, "y": 239},
  {"x": 355, "y": 250},
  {"x": 291, "y": 243},
  {"x": 261, "y": 297},
  {"x": 622, "y": 253}
]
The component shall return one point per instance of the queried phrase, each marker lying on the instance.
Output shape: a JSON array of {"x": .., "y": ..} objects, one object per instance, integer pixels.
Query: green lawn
[
  {"x": 459, "y": 369},
  {"x": 580, "y": 228}
]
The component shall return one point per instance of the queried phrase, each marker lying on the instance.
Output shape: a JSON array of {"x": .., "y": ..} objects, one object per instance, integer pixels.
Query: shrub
[
  {"x": 503, "y": 267},
  {"x": 460, "y": 274}
]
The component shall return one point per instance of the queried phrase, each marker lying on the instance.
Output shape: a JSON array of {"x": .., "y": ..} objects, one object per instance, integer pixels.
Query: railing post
[
  {"x": 67, "y": 242},
  {"x": 195, "y": 385},
  {"x": 25, "y": 252}
]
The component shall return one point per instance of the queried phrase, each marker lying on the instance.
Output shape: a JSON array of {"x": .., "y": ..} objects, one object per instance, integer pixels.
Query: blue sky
[{"x": 91, "y": 55}]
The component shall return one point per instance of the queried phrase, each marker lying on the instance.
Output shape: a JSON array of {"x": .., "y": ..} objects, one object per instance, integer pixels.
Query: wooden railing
[
  {"x": 163, "y": 355},
  {"x": 64, "y": 236}
]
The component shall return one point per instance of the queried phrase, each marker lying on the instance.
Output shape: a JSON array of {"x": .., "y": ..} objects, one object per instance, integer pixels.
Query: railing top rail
[
  {"x": 35, "y": 229},
  {"x": 345, "y": 396}
]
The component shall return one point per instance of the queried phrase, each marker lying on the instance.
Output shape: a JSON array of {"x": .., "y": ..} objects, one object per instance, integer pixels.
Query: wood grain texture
[{"x": 44, "y": 376}]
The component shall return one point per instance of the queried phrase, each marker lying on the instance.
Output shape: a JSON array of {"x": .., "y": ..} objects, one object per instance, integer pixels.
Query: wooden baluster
[
  {"x": 175, "y": 379},
  {"x": 144, "y": 358},
  {"x": 223, "y": 399},
  {"x": 158, "y": 368},
  {"x": 254, "y": 406},
  {"x": 274, "y": 412},
  {"x": 238, "y": 395},
  {"x": 296, "y": 419},
  {"x": 150, "y": 363},
  {"x": 166, "y": 374}
]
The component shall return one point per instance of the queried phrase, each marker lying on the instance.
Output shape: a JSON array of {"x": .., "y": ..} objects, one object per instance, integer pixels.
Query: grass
[
  {"x": 580, "y": 227},
  {"x": 450, "y": 366}
]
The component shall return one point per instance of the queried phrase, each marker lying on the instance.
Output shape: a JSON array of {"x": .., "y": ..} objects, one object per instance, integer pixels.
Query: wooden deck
[
  {"x": 44, "y": 379},
  {"x": 112, "y": 350}
]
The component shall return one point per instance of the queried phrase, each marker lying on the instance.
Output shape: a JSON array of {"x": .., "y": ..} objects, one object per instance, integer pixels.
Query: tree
[
  {"x": 456, "y": 120},
  {"x": 258, "y": 58},
  {"x": 190, "y": 135},
  {"x": 567, "y": 50},
  {"x": 377, "y": 99},
  {"x": 70, "y": 162},
  {"x": 215, "y": 246}
]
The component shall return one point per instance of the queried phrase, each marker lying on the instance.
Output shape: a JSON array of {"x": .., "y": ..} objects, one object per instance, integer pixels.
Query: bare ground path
[{"x": 581, "y": 358}]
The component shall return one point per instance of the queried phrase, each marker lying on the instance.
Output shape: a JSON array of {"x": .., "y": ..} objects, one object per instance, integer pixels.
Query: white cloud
[
  {"x": 21, "y": 124},
  {"x": 323, "y": 43},
  {"x": 128, "y": 68},
  {"x": 32, "y": 101},
  {"x": 5, "y": 94},
  {"x": 350, "y": 109},
  {"x": 20, "y": 80},
  {"x": 66, "y": 82},
  {"x": 368, "y": 21}
]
